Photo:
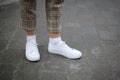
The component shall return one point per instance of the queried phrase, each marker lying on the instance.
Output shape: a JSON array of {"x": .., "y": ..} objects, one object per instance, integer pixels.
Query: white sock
[
  {"x": 31, "y": 37},
  {"x": 55, "y": 41}
]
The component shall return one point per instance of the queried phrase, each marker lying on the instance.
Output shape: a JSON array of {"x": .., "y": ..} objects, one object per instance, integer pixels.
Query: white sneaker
[
  {"x": 64, "y": 50},
  {"x": 32, "y": 53}
]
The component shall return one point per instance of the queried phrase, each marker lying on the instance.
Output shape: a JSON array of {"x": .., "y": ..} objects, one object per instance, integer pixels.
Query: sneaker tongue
[
  {"x": 64, "y": 44},
  {"x": 32, "y": 41}
]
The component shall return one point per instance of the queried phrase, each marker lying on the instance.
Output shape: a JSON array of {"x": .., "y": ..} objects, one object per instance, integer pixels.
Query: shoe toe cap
[
  {"x": 33, "y": 57},
  {"x": 77, "y": 54}
]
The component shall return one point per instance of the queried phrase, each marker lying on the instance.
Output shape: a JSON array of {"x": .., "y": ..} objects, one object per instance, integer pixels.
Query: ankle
[
  {"x": 30, "y": 38},
  {"x": 30, "y": 32},
  {"x": 54, "y": 35},
  {"x": 55, "y": 41}
]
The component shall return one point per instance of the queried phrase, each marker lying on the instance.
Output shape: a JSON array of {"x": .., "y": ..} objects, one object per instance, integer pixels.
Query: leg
[
  {"x": 30, "y": 32},
  {"x": 28, "y": 23},
  {"x": 53, "y": 14},
  {"x": 56, "y": 45},
  {"x": 28, "y": 15}
]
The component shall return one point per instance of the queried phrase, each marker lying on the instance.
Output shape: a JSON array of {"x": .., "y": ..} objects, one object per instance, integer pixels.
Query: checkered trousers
[{"x": 53, "y": 14}]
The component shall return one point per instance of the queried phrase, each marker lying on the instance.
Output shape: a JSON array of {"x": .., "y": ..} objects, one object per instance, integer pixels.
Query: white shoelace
[
  {"x": 64, "y": 44},
  {"x": 32, "y": 43}
]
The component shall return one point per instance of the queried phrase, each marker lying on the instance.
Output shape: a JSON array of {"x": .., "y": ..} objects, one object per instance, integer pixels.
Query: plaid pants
[{"x": 53, "y": 14}]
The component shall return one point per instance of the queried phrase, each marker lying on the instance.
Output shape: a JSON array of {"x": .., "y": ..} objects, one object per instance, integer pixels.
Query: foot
[
  {"x": 32, "y": 53},
  {"x": 63, "y": 49}
]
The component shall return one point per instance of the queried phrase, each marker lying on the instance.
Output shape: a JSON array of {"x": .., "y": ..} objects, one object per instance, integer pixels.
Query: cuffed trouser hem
[
  {"x": 53, "y": 15},
  {"x": 28, "y": 14}
]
